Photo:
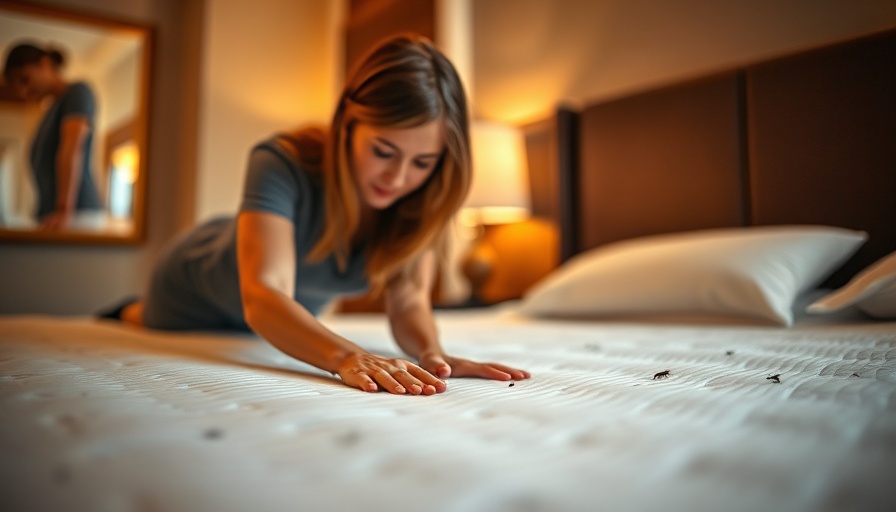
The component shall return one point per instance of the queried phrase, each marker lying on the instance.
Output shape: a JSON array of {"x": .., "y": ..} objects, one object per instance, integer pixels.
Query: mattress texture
[{"x": 617, "y": 416}]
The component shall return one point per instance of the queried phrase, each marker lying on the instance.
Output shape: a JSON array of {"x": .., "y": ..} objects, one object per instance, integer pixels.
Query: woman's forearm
[
  {"x": 68, "y": 176},
  {"x": 414, "y": 329},
  {"x": 294, "y": 330},
  {"x": 69, "y": 162},
  {"x": 409, "y": 308}
]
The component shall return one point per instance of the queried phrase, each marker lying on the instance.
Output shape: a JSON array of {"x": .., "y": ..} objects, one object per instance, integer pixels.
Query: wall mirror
[{"x": 113, "y": 59}]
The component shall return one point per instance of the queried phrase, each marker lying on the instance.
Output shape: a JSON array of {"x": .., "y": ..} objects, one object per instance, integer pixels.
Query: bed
[{"x": 793, "y": 411}]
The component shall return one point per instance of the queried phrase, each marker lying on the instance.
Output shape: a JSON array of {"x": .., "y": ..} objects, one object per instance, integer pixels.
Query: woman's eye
[
  {"x": 381, "y": 153},
  {"x": 421, "y": 165}
]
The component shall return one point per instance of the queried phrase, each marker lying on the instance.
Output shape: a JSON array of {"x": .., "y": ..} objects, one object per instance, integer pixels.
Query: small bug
[
  {"x": 776, "y": 378},
  {"x": 662, "y": 375},
  {"x": 510, "y": 385},
  {"x": 855, "y": 375},
  {"x": 729, "y": 352}
]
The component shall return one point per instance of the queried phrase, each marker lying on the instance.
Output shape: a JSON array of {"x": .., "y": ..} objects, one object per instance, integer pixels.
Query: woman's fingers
[
  {"x": 495, "y": 371},
  {"x": 387, "y": 381},
  {"x": 431, "y": 384},
  {"x": 361, "y": 381},
  {"x": 370, "y": 373},
  {"x": 513, "y": 372},
  {"x": 436, "y": 365}
]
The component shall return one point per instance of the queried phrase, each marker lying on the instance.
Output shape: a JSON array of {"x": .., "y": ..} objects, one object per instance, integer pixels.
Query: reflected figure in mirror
[{"x": 61, "y": 149}]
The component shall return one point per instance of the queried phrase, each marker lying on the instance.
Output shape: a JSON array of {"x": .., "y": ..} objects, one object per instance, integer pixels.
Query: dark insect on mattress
[{"x": 662, "y": 375}]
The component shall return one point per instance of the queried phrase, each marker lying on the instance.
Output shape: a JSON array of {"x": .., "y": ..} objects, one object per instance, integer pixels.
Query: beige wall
[
  {"x": 531, "y": 54},
  {"x": 227, "y": 73},
  {"x": 269, "y": 68},
  {"x": 268, "y": 65},
  {"x": 78, "y": 279}
]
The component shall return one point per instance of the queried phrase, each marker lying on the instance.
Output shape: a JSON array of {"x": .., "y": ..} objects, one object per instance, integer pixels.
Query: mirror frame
[{"x": 141, "y": 131}]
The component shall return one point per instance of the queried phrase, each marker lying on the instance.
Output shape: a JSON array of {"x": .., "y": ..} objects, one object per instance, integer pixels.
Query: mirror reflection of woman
[
  {"x": 329, "y": 213},
  {"x": 61, "y": 148}
]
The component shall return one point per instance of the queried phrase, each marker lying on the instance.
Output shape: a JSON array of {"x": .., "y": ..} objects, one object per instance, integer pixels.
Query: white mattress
[{"x": 97, "y": 416}]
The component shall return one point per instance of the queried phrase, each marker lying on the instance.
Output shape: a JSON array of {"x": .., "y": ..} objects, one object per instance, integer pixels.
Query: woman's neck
[
  {"x": 366, "y": 224},
  {"x": 58, "y": 87}
]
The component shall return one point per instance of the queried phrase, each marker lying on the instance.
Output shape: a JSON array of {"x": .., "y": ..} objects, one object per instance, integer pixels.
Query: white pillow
[
  {"x": 754, "y": 272},
  {"x": 872, "y": 290}
]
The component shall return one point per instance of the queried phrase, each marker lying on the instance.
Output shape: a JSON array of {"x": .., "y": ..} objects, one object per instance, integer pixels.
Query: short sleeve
[
  {"x": 78, "y": 101},
  {"x": 271, "y": 185}
]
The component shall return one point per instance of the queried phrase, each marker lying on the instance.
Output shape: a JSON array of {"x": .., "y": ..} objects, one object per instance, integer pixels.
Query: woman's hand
[
  {"x": 56, "y": 220},
  {"x": 368, "y": 372},
  {"x": 447, "y": 366}
]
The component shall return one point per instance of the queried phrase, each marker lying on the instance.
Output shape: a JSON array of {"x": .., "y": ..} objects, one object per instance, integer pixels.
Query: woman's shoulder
[
  {"x": 78, "y": 97},
  {"x": 272, "y": 163},
  {"x": 305, "y": 145},
  {"x": 79, "y": 88},
  {"x": 277, "y": 180},
  {"x": 302, "y": 148}
]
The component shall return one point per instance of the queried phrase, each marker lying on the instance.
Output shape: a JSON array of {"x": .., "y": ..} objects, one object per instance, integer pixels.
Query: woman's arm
[
  {"x": 267, "y": 261},
  {"x": 409, "y": 309},
  {"x": 69, "y": 163}
]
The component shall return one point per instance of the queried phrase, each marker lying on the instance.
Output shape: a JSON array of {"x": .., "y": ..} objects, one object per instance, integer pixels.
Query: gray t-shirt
[
  {"x": 76, "y": 100},
  {"x": 195, "y": 285}
]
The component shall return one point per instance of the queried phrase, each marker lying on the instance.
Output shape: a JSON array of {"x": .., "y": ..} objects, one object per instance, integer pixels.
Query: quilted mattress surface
[{"x": 97, "y": 416}]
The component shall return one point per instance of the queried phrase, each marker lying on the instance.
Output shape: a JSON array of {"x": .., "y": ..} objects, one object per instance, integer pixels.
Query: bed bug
[
  {"x": 510, "y": 385},
  {"x": 729, "y": 352},
  {"x": 213, "y": 433},
  {"x": 662, "y": 375},
  {"x": 776, "y": 378}
]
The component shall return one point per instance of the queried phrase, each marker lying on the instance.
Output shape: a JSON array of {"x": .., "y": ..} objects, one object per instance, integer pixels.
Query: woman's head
[
  {"x": 31, "y": 71},
  {"x": 388, "y": 163},
  {"x": 399, "y": 144}
]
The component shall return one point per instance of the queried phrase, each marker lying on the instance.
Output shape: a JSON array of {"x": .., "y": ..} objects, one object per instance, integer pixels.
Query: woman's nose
[{"x": 397, "y": 175}]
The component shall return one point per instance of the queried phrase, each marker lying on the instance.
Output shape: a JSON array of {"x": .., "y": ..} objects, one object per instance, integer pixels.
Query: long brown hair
[{"x": 403, "y": 82}]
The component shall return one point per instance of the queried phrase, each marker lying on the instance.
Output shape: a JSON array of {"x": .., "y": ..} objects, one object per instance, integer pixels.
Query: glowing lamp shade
[
  {"x": 500, "y": 189},
  {"x": 499, "y": 195}
]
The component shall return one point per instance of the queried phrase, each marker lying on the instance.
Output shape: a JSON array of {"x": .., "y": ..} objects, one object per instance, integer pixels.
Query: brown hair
[
  {"x": 25, "y": 54},
  {"x": 403, "y": 82}
]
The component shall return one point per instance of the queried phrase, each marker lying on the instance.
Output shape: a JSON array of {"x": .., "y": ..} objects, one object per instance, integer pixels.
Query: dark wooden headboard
[{"x": 803, "y": 139}]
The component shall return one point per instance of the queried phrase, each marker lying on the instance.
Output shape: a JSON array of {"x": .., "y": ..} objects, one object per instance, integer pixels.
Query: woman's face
[
  {"x": 33, "y": 81},
  {"x": 390, "y": 163}
]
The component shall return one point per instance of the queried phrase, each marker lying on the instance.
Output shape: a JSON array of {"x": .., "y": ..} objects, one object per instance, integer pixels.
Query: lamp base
[{"x": 477, "y": 267}]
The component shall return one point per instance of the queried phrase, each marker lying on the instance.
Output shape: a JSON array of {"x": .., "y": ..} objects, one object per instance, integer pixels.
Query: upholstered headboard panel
[
  {"x": 822, "y": 141},
  {"x": 808, "y": 138},
  {"x": 666, "y": 160}
]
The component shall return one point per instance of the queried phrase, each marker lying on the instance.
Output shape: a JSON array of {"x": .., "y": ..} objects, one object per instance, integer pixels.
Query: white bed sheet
[{"x": 97, "y": 416}]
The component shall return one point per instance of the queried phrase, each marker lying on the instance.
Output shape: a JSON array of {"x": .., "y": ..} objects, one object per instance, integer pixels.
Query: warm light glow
[
  {"x": 125, "y": 162},
  {"x": 500, "y": 191}
]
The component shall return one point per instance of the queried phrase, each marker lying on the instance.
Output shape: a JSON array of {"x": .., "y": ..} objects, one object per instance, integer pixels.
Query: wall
[
  {"x": 540, "y": 52},
  {"x": 226, "y": 73},
  {"x": 17, "y": 201},
  {"x": 62, "y": 279},
  {"x": 264, "y": 69}
]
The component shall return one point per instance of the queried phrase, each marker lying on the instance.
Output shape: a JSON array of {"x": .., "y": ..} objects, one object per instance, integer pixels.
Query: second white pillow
[
  {"x": 754, "y": 272},
  {"x": 872, "y": 290}
]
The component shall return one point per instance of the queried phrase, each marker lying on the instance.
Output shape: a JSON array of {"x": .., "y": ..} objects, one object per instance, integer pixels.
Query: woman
[
  {"x": 60, "y": 152},
  {"x": 325, "y": 214}
]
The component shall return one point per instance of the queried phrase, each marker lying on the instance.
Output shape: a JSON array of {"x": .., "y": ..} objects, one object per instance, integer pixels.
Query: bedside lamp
[{"x": 499, "y": 195}]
